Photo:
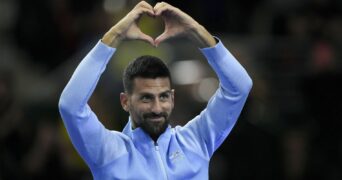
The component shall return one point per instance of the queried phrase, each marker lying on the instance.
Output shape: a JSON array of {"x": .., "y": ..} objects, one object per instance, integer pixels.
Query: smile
[{"x": 156, "y": 119}]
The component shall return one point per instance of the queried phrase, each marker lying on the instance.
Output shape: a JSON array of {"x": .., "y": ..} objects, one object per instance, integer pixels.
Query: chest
[{"x": 157, "y": 162}]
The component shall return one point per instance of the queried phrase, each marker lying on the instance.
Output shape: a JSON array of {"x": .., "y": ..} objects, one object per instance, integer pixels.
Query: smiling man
[
  {"x": 148, "y": 148},
  {"x": 148, "y": 96}
]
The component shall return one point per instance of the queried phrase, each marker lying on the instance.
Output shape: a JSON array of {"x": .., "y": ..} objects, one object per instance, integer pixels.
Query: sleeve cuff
[
  {"x": 104, "y": 47},
  {"x": 101, "y": 51},
  {"x": 216, "y": 52}
]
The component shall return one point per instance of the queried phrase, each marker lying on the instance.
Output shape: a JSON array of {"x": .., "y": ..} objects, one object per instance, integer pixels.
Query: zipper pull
[{"x": 156, "y": 146}]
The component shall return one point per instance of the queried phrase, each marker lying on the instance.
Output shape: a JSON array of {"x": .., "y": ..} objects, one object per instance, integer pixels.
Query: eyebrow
[{"x": 146, "y": 93}]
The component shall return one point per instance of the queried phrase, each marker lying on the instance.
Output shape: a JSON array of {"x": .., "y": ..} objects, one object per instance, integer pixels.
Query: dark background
[{"x": 291, "y": 125}]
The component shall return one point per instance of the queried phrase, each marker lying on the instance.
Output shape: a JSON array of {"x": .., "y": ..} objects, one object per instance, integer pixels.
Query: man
[{"x": 148, "y": 148}]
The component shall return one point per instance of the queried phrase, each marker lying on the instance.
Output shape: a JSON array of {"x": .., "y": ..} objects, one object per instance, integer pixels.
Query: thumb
[
  {"x": 161, "y": 38},
  {"x": 146, "y": 38}
]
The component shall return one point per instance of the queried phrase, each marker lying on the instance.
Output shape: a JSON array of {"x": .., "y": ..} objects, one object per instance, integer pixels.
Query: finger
[
  {"x": 147, "y": 11},
  {"x": 146, "y": 5},
  {"x": 161, "y": 38},
  {"x": 146, "y": 8},
  {"x": 142, "y": 4},
  {"x": 141, "y": 10},
  {"x": 146, "y": 38},
  {"x": 159, "y": 8},
  {"x": 158, "y": 5}
]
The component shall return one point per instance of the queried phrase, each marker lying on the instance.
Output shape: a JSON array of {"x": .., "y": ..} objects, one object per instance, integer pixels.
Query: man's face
[{"x": 150, "y": 104}]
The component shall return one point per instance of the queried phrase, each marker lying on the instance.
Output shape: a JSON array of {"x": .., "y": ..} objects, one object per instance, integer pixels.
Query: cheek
[
  {"x": 169, "y": 106},
  {"x": 138, "y": 109},
  {"x": 136, "y": 114}
]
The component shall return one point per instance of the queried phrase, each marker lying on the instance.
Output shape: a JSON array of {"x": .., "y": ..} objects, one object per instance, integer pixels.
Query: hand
[
  {"x": 127, "y": 28},
  {"x": 178, "y": 23}
]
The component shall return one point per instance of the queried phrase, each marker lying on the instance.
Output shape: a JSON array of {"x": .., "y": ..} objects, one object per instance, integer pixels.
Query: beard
[{"x": 152, "y": 127}]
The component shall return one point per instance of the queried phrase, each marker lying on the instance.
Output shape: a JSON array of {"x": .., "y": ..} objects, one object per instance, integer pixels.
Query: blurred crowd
[{"x": 291, "y": 125}]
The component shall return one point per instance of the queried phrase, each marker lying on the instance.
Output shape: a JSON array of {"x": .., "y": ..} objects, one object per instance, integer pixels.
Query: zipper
[{"x": 161, "y": 164}]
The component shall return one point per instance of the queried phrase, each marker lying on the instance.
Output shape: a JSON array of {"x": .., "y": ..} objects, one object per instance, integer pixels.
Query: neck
[{"x": 154, "y": 138}]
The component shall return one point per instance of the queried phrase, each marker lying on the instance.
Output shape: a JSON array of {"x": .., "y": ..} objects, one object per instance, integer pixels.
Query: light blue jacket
[{"x": 180, "y": 152}]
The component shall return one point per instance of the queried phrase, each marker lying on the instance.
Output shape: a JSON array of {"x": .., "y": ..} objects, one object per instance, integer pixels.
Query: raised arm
[
  {"x": 86, "y": 132},
  {"x": 209, "y": 129}
]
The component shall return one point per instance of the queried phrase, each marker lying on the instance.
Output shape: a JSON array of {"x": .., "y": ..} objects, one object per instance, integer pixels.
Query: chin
[{"x": 155, "y": 129}]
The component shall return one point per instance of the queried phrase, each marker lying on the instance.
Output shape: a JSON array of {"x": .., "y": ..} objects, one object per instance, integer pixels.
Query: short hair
[{"x": 145, "y": 67}]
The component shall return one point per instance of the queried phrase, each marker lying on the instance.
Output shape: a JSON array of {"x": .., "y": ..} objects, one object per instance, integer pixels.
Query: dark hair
[{"x": 144, "y": 67}]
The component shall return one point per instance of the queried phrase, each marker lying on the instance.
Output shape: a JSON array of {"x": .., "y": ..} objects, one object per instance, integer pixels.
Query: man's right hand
[
  {"x": 127, "y": 28},
  {"x": 178, "y": 23}
]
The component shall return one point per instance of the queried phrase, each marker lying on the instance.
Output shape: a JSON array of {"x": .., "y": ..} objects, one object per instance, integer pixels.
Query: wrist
[
  {"x": 203, "y": 38},
  {"x": 112, "y": 38}
]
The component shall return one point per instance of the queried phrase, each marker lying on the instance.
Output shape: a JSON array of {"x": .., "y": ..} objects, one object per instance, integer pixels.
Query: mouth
[{"x": 156, "y": 119}]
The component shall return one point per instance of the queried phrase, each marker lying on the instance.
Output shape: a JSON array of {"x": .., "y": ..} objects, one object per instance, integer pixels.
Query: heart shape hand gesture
[{"x": 176, "y": 23}]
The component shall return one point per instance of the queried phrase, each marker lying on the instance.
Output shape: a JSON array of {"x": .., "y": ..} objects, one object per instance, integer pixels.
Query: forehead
[{"x": 150, "y": 85}]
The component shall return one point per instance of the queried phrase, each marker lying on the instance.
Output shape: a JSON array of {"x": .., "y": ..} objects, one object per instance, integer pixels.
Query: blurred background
[{"x": 291, "y": 125}]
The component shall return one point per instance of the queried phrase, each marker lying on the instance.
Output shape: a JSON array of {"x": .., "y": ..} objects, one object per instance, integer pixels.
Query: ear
[{"x": 124, "y": 101}]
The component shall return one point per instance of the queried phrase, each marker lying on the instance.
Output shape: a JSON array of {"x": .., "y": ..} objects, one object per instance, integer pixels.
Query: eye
[
  {"x": 164, "y": 96},
  {"x": 146, "y": 98}
]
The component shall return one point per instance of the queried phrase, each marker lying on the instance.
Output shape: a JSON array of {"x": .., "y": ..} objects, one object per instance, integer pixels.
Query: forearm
[
  {"x": 203, "y": 38},
  {"x": 223, "y": 109},
  {"x": 232, "y": 76},
  {"x": 87, "y": 133},
  {"x": 84, "y": 80}
]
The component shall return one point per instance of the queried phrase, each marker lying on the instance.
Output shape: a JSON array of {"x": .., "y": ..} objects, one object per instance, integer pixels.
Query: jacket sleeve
[
  {"x": 209, "y": 129},
  {"x": 87, "y": 133}
]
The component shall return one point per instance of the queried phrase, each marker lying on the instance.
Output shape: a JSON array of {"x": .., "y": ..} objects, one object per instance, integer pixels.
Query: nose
[{"x": 157, "y": 106}]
